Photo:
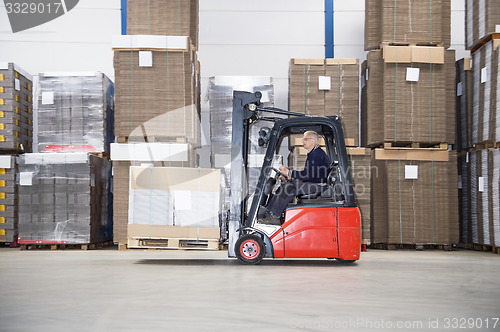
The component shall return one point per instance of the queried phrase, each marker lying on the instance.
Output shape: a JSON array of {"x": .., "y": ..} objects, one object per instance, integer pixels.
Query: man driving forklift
[{"x": 311, "y": 180}]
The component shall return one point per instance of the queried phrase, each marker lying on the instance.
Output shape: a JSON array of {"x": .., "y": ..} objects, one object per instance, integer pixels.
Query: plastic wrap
[
  {"x": 75, "y": 112},
  {"x": 170, "y": 196},
  {"x": 64, "y": 198},
  {"x": 221, "y": 107}
]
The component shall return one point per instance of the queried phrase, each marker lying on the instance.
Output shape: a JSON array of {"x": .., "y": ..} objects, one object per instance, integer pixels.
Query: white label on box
[
  {"x": 48, "y": 98},
  {"x": 145, "y": 59},
  {"x": 467, "y": 157},
  {"x": 459, "y": 89},
  {"x": 484, "y": 74},
  {"x": 26, "y": 178},
  {"x": 412, "y": 74},
  {"x": 182, "y": 200},
  {"x": 5, "y": 161},
  {"x": 411, "y": 172},
  {"x": 324, "y": 82},
  {"x": 497, "y": 28},
  {"x": 17, "y": 84},
  {"x": 480, "y": 184},
  {"x": 367, "y": 72}
]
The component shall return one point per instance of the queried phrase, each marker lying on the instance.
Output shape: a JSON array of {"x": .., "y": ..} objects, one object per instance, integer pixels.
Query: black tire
[
  {"x": 250, "y": 249},
  {"x": 344, "y": 261}
]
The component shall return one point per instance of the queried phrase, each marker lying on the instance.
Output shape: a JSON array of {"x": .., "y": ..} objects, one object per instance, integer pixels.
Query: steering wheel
[{"x": 278, "y": 172}]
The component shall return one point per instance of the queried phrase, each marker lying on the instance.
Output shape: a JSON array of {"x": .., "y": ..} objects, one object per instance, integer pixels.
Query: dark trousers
[{"x": 287, "y": 191}]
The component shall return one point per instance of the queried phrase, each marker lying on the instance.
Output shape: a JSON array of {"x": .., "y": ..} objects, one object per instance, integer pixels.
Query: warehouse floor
[{"x": 110, "y": 290}]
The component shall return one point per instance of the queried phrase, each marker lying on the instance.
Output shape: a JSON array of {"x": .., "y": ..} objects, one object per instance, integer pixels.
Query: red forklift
[{"x": 326, "y": 224}]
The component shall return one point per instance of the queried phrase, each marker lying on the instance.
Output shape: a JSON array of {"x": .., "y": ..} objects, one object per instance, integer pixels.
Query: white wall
[{"x": 80, "y": 40}]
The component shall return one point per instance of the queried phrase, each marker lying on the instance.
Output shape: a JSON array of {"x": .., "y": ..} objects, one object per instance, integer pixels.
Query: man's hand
[{"x": 285, "y": 171}]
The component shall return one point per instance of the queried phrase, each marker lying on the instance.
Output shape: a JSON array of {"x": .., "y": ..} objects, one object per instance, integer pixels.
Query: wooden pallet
[
  {"x": 414, "y": 246},
  {"x": 415, "y": 145},
  {"x": 172, "y": 243},
  {"x": 480, "y": 247},
  {"x": 63, "y": 246},
  {"x": 151, "y": 139},
  {"x": 492, "y": 36}
]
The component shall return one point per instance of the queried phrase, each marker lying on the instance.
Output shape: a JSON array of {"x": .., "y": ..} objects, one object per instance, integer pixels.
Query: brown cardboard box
[
  {"x": 327, "y": 87},
  {"x": 485, "y": 89},
  {"x": 414, "y": 201},
  {"x": 402, "y": 107},
  {"x": 163, "y": 17},
  {"x": 158, "y": 101},
  {"x": 481, "y": 19},
  {"x": 406, "y": 21}
]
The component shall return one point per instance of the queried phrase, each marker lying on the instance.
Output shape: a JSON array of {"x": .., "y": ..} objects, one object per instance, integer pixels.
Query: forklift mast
[{"x": 246, "y": 106}]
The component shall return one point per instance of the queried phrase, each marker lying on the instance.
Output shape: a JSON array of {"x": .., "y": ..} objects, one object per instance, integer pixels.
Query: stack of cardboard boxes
[
  {"x": 16, "y": 127},
  {"x": 330, "y": 87},
  {"x": 157, "y": 121},
  {"x": 478, "y": 95},
  {"x": 408, "y": 109}
]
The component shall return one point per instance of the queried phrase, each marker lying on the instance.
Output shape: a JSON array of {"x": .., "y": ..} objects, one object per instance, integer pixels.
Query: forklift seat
[{"x": 328, "y": 192}]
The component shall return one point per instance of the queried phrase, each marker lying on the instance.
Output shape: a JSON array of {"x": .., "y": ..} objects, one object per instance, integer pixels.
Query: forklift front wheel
[
  {"x": 344, "y": 261},
  {"x": 250, "y": 249}
]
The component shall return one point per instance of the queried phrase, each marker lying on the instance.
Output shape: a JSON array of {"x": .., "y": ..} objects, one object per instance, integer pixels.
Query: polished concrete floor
[{"x": 110, "y": 290}]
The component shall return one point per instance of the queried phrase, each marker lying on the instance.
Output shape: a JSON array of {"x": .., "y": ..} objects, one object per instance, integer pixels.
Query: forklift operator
[{"x": 308, "y": 181}]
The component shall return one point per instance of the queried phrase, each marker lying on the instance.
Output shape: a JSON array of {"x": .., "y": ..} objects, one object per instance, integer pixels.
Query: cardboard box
[
  {"x": 158, "y": 17},
  {"x": 414, "y": 202},
  {"x": 327, "y": 87},
  {"x": 157, "y": 95},
  {"x": 406, "y": 21},
  {"x": 408, "y": 102},
  {"x": 174, "y": 196},
  {"x": 481, "y": 20}
]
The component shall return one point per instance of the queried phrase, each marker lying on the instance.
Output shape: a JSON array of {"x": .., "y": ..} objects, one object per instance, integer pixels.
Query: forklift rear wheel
[{"x": 250, "y": 249}]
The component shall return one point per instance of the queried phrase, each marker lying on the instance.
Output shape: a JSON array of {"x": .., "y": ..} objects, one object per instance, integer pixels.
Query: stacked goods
[
  {"x": 156, "y": 88},
  {"x": 486, "y": 93},
  {"x": 463, "y": 104},
  {"x": 160, "y": 17},
  {"x": 8, "y": 199},
  {"x": 416, "y": 197},
  {"x": 482, "y": 18},
  {"x": 174, "y": 207},
  {"x": 16, "y": 115},
  {"x": 157, "y": 117},
  {"x": 482, "y": 224},
  {"x": 221, "y": 109},
  {"x": 126, "y": 155},
  {"x": 407, "y": 21},
  {"x": 326, "y": 87},
  {"x": 360, "y": 163},
  {"x": 64, "y": 198},
  {"x": 75, "y": 112},
  {"x": 464, "y": 197},
  {"x": 409, "y": 96}
]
